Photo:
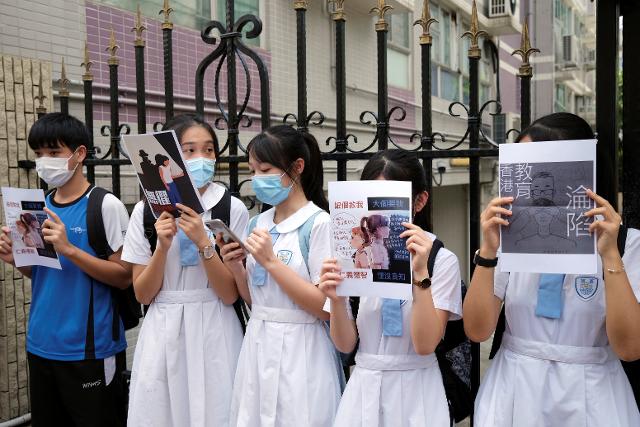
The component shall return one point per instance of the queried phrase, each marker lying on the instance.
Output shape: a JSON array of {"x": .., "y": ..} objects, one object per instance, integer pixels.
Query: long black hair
[
  {"x": 400, "y": 165},
  {"x": 281, "y": 146},
  {"x": 557, "y": 126},
  {"x": 179, "y": 124}
]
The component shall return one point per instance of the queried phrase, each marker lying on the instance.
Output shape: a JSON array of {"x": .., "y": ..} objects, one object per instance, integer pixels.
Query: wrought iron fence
[{"x": 229, "y": 48}]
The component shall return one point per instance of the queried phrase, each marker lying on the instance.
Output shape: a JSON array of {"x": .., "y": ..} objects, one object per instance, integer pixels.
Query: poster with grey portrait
[{"x": 548, "y": 231}]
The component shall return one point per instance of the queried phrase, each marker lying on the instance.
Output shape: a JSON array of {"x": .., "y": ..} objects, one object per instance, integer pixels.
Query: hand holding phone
[{"x": 217, "y": 227}]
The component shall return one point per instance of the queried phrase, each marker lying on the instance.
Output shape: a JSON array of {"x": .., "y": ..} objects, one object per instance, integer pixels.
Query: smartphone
[{"x": 217, "y": 227}]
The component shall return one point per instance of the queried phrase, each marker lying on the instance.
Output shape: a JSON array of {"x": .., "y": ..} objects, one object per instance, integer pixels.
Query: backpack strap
[
  {"x": 222, "y": 210},
  {"x": 304, "y": 237},
  {"x": 95, "y": 224},
  {"x": 431, "y": 262},
  {"x": 622, "y": 239}
]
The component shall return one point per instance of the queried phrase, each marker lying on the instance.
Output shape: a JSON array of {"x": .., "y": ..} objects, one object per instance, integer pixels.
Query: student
[
  {"x": 377, "y": 229},
  {"x": 397, "y": 381},
  {"x": 558, "y": 363},
  {"x": 288, "y": 373},
  {"x": 71, "y": 348},
  {"x": 188, "y": 346}
]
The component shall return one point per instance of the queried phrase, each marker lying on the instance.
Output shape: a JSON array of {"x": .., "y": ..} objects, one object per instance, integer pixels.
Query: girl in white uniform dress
[
  {"x": 397, "y": 381},
  {"x": 188, "y": 346},
  {"x": 287, "y": 372},
  {"x": 558, "y": 363}
]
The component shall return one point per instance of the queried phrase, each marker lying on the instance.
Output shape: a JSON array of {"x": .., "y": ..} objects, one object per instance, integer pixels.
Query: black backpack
[
  {"x": 221, "y": 211},
  {"x": 453, "y": 354},
  {"x": 125, "y": 305},
  {"x": 632, "y": 369}
]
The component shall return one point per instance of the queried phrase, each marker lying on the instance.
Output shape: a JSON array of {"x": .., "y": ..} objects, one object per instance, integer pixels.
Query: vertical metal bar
[
  {"x": 383, "y": 96},
  {"x": 87, "y": 79},
  {"x": 607, "y": 17},
  {"x": 341, "y": 90},
  {"x": 115, "y": 119},
  {"x": 63, "y": 92},
  {"x": 301, "y": 43},
  {"x": 525, "y": 72},
  {"x": 167, "y": 49},
  {"x": 41, "y": 110},
  {"x": 631, "y": 109},
  {"x": 232, "y": 101},
  {"x": 140, "y": 83},
  {"x": 525, "y": 101}
]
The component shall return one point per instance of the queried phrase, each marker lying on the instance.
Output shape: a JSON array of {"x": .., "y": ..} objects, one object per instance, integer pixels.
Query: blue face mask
[
  {"x": 269, "y": 189},
  {"x": 201, "y": 170}
]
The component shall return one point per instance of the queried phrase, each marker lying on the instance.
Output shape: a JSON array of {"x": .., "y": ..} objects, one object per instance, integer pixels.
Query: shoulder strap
[
  {"x": 622, "y": 239},
  {"x": 95, "y": 223},
  {"x": 222, "y": 210},
  {"x": 149, "y": 224},
  {"x": 435, "y": 248},
  {"x": 304, "y": 237}
]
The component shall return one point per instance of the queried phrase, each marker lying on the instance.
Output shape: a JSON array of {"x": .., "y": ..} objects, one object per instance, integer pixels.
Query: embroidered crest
[
  {"x": 285, "y": 256},
  {"x": 586, "y": 287}
]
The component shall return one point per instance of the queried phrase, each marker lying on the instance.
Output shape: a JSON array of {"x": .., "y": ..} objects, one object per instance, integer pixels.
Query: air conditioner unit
[
  {"x": 500, "y": 8},
  {"x": 569, "y": 51}
]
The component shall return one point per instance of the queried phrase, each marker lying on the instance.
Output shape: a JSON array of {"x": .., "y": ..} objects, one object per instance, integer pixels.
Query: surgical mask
[
  {"x": 54, "y": 170},
  {"x": 269, "y": 189},
  {"x": 201, "y": 170}
]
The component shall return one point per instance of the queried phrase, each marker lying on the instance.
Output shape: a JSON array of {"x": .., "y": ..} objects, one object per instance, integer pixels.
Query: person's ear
[
  {"x": 80, "y": 154},
  {"x": 298, "y": 167},
  {"x": 420, "y": 201}
]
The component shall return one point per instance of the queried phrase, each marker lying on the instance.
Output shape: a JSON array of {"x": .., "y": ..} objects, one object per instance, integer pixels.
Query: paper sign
[
  {"x": 162, "y": 174},
  {"x": 366, "y": 223},
  {"x": 24, "y": 214},
  {"x": 548, "y": 232}
]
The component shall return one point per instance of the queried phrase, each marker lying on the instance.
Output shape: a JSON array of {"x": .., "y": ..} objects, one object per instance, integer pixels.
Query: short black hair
[{"x": 58, "y": 129}]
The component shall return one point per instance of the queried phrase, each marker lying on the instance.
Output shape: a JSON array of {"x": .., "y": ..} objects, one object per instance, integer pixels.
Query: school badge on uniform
[
  {"x": 586, "y": 287},
  {"x": 285, "y": 256}
]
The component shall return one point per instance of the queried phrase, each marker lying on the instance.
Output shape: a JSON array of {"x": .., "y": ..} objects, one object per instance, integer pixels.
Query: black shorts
[{"x": 75, "y": 393}]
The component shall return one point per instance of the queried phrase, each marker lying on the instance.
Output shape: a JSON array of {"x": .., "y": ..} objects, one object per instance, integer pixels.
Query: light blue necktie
[
  {"x": 391, "y": 317},
  {"x": 188, "y": 250},
  {"x": 259, "y": 275},
  {"x": 550, "y": 296}
]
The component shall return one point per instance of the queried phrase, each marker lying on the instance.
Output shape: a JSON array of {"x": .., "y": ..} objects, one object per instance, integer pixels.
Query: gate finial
[
  {"x": 300, "y": 4},
  {"x": 474, "y": 33},
  {"x": 86, "y": 63},
  {"x": 166, "y": 10},
  {"x": 425, "y": 21},
  {"x": 525, "y": 52},
  {"x": 381, "y": 10},
  {"x": 112, "y": 48},
  {"x": 138, "y": 28},
  {"x": 40, "y": 109},
  {"x": 338, "y": 10},
  {"x": 64, "y": 81}
]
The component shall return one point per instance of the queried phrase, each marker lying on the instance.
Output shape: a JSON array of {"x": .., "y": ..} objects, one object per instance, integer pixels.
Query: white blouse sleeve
[
  {"x": 631, "y": 260},
  {"x": 239, "y": 218},
  {"x": 136, "y": 249},
  {"x": 319, "y": 245},
  {"x": 115, "y": 219},
  {"x": 446, "y": 288},
  {"x": 500, "y": 281}
]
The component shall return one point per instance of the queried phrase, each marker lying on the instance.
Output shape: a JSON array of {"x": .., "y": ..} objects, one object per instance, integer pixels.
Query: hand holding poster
[
  {"x": 24, "y": 214},
  {"x": 367, "y": 219},
  {"x": 162, "y": 173},
  {"x": 548, "y": 232}
]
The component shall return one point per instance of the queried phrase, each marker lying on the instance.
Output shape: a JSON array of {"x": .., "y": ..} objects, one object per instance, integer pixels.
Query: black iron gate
[{"x": 229, "y": 49}]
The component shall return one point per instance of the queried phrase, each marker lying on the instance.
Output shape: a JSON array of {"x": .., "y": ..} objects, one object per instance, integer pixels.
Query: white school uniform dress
[
  {"x": 558, "y": 372},
  {"x": 287, "y": 372},
  {"x": 391, "y": 385},
  {"x": 188, "y": 346}
]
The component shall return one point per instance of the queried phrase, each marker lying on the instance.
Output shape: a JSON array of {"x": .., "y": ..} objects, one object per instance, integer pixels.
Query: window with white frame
[
  {"x": 241, "y": 7},
  {"x": 398, "y": 54},
  {"x": 188, "y": 13}
]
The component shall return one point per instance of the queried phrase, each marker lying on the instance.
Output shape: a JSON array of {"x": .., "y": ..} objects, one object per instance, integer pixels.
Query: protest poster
[
  {"x": 24, "y": 214},
  {"x": 367, "y": 219},
  {"x": 162, "y": 174},
  {"x": 548, "y": 232}
]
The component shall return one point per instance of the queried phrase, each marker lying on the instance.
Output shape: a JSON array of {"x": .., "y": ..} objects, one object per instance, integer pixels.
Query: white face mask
[{"x": 54, "y": 170}]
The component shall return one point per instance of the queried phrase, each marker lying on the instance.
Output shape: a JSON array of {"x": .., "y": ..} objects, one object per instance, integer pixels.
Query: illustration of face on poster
[{"x": 549, "y": 202}]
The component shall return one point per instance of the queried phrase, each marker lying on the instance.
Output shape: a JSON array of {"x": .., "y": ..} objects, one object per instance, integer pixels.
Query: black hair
[
  {"x": 56, "y": 130},
  {"x": 160, "y": 159},
  {"x": 281, "y": 146},
  {"x": 557, "y": 126},
  {"x": 400, "y": 165},
  {"x": 179, "y": 124}
]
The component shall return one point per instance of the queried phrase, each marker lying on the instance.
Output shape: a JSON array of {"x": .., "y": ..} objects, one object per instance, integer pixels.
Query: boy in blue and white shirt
[{"x": 71, "y": 340}]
